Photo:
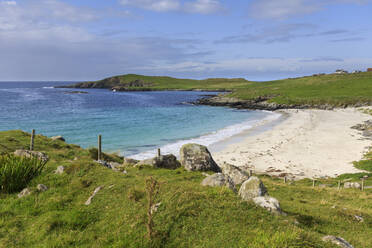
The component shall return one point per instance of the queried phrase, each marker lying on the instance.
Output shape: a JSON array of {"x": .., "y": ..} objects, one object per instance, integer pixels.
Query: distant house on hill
[
  {"x": 356, "y": 71},
  {"x": 340, "y": 71},
  {"x": 369, "y": 69}
]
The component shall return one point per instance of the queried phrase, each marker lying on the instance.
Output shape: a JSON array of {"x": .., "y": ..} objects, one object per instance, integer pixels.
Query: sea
[{"x": 133, "y": 124}]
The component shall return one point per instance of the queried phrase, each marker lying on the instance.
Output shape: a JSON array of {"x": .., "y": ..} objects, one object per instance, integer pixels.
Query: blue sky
[{"x": 254, "y": 39}]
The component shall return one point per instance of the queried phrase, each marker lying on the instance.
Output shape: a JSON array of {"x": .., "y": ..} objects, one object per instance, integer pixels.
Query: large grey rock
[
  {"x": 349, "y": 185},
  {"x": 252, "y": 188},
  {"x": 130, "y": 161},
  {"x": 59, "y": 137},
  {"x": 24, "y": 192},
  {"x": 164, "y": 161},
  {"x": 218, "y": 179},
  {"x": 41, "y": 187},
  {"x": 30, "y": 154},
  {"x": 196, "y": 157},
  {"x": 337, "y": 241},
  {"x": 237, "y": 175},
  {"x": 269, "y": 203},
  {"x": 60, "y": 170}
]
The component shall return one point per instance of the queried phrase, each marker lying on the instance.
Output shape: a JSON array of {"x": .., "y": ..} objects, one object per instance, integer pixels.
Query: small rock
[
  {"x": 125, "y": 172},
  {"x": 29, "y": 154},
  {"x": 218, "y": 179},
  {"x": 89, "y": 201},
  {"x": 237, "y": 175},
  {"x": 115, "y": 166},
  {"x": 196, "y": 157},
  {"x": 24, "y": 192},
  {"x": 269, "y": 203},
  {"x": 155, "y": 207},
  {"x": 349, "y": 185},
  {"x": 130, "y": 161},
  {"x": 60, "y": 170},
  {"x": 41, "y": 187},
  {"x": 252, "y": 188},
  {"x": 59, "y": 137},
  {"x": 359, "y": 218},
  {"x": 337, "y": 241}
]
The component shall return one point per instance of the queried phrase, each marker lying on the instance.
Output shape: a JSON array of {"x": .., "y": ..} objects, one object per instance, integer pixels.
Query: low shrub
[{"x": 16, "y": 172}]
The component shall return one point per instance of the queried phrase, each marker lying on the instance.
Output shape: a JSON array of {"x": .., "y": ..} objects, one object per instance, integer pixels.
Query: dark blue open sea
[{"x": 132, "y": 123}]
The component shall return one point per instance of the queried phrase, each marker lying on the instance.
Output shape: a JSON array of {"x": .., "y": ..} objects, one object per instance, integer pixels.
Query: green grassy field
[
  {"x": 335, "y": 90},
  {"x": 189, "y": 215}
]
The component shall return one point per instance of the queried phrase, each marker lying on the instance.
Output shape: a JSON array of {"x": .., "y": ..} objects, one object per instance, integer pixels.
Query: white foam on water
[
  {"x": 48, "y": 87},
  {"x": 209, "y": 139}
]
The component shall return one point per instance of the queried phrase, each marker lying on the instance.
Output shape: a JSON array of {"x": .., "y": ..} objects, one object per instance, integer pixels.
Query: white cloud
[
  {"x": 8, "y": 2},
  {"x": 203, "y": 6},
  {"x": 195, "y": 6},
  {"x": 283, "y": 9}
]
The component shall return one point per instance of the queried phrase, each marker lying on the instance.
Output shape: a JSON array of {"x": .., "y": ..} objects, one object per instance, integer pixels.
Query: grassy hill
[
  {"x": 335, "y": 90},
  {"x": 189, "y": 215}
]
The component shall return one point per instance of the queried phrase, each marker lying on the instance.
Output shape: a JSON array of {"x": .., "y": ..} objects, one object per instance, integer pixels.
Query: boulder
[
  {"x": 115, "y": 166},
  {"x": 349, "y": 185},
  {"x": 218, "y": 179},
  {"x": 60, "y": 170},
  {"x": 196, "y": 157},
  {"x": 252, "y": 188},
  {"x": 130, "y": 161},
  {"x": 237, "y": 175},
  {"x": 30, "y": 154},
  {"x": 59, "y": 137},
  {"x": 41, "y": 187},
  {"x": 269, "y": 203},
  {"x": 24, "y": 192},
  {"x": 337, "y": 241},
  {"x": 164, "y": 161}
]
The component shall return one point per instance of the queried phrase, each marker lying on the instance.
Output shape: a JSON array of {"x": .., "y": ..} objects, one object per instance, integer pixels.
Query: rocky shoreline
[{"x": 263, "y": 103}]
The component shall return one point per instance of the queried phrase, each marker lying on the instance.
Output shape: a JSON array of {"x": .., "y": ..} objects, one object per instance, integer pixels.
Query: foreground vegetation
[
  {"x": 189, "y": 215},
  {"x": 333, "y": 89}
]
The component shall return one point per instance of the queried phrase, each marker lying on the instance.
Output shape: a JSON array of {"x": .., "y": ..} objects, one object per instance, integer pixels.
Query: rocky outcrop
[
  {"x": 29, "y": 154},
  {"x": 196, "y": 157},
  {"x": 353, "y": 185},
  {"x": 218, "y": 179},
  {"x": 252, "y": 188},
  {"x": 237, "y": 175},
  {"x": 59, "y": 137},
  {"x": 164, "y": 161},
  {"x": 365, "y": 128},
  {"x": 265, "y": 103},
  {"x": 337, "y": 241},
  {"x": 269, "y": 203},
  {"x": 24, "y": 192}
]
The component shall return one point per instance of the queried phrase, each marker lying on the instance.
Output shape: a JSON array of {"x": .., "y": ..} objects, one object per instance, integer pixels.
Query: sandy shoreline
[{"x": 308, "y": 143}]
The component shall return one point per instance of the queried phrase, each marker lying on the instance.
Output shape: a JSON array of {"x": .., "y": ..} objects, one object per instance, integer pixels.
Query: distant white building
[
  {"x": 340, "y": 71},
  {"x": 356, "y": 71}
]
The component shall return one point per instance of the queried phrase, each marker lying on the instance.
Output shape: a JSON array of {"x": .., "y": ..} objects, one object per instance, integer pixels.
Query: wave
[
  {"x": 48, "y": 87},
  {"x": 209, "y": 139}
]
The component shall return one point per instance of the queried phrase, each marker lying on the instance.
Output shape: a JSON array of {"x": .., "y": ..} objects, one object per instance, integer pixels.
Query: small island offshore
[{"x": 305, "y": 181}]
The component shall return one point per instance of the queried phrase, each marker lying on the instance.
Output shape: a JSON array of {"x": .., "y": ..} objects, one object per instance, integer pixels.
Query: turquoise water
[{"x": 132, "y": 123}]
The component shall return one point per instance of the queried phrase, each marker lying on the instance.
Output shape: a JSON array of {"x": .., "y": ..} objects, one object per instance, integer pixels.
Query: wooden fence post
[
  {"x": 159, "y": 154},
  {"x": 250, "y": 173},
  {"x": 339, "y": 185},
  {"x": 32, "y": 140},
  {"x": 362, "y": 184},
  {"x": 99, "y": 147},
  {"x": 313, "y": 183},
  {"x": 285, "y": 179}
]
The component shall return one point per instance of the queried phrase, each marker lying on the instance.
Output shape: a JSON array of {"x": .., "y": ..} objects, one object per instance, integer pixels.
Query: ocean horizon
[{"x": 132, "y": 124}]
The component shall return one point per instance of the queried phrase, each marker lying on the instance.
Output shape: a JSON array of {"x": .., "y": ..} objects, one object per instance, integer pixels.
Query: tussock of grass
[
  {"x": 17, "y": 172},
  {"x": 189, "y": 215}
]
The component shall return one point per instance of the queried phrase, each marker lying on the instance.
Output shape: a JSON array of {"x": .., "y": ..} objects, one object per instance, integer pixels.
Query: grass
[
  {"x": 189, "y": 215},
  {"x": 17, "y": 172},
  {"x": 335, "y": 90}
]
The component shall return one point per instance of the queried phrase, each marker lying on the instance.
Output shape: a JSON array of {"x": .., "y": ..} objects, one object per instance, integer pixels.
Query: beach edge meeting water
[{"x": 132, "y": 123}]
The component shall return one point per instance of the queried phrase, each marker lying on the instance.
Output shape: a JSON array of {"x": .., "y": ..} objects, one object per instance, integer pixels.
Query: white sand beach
[{"x": 309, "y": 143}]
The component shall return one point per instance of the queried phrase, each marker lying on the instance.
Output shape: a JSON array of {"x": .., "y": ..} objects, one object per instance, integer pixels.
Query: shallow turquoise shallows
[{"x": 132, "y": 123}]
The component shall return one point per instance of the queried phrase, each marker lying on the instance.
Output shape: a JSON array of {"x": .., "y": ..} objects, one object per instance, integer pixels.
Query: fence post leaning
[
  {"x": 32, "y": 140},
  {"x": 99, "y": 147},
  {"x": 159, "y": 154}
]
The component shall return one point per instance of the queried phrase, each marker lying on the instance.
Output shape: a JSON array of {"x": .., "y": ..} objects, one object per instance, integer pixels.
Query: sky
[{"x": 76, "y": 40}]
